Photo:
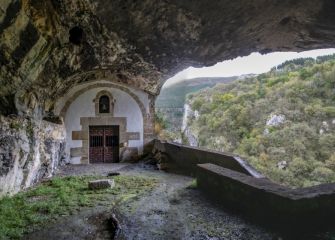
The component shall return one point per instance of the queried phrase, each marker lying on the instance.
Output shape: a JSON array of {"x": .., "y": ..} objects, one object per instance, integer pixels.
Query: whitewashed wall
[{"x": 125, "y": 106}]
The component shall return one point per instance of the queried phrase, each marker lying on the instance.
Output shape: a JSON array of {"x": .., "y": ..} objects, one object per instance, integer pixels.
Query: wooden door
[
  {"x": 111, "y": 153},
  {"x": 104, "y": 144}
]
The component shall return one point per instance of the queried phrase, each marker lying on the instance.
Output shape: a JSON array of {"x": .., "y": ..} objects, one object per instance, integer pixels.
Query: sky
[{"x": 255, "y": 63}]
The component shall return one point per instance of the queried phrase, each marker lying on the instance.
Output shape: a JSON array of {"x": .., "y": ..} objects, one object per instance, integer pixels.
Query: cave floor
[{"x": 173, "y": 209}]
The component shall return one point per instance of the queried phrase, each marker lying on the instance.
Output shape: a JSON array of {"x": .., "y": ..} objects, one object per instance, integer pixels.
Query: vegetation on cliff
[
  {"x": 170, "y": 104},
  {"x": 282, "y": 122}
]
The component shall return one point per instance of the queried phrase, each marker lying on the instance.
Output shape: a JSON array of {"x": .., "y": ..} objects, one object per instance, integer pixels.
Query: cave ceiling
[{"x": 49, "y": 46}]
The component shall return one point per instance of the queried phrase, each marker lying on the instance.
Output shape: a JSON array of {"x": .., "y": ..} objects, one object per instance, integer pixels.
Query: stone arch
[
  {"x": 99, "y": 85},
  {"x": 106, "y": 74}
]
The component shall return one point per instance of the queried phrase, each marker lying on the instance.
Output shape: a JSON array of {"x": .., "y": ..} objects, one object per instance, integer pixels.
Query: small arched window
[{"x": 104, "y": 104}]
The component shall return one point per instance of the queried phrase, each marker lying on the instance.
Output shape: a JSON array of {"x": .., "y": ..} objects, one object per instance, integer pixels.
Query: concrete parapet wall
[
  {"x": 266, "y": 201},
  {"x": 184, "y": 159}
]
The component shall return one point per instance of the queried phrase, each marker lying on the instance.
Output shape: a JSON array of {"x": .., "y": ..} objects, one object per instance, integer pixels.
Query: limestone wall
[{"x": 29, "y": 151}]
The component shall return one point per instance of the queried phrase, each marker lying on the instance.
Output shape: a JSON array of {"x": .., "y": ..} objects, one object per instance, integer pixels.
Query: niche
[{"x": 76, "y": 35}]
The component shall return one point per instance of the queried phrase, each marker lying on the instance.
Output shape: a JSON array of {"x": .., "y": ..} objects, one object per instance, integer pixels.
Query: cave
[{"x": 68, "y": 67}]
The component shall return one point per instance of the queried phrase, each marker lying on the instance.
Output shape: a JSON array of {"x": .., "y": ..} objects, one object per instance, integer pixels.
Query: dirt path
[{"x": 173, "y": 210}]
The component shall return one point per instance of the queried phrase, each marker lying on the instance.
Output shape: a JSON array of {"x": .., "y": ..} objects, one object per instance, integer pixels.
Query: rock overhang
[{"x": 142, "y": 43}]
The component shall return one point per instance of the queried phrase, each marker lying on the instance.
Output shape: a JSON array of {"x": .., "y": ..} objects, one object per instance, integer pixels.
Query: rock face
[
  {"x": 189, "y": 136},
  {"x": 29, "y": 151},
  {"x": 275, "y": 120},
  {"x": 47, "y": 47}
]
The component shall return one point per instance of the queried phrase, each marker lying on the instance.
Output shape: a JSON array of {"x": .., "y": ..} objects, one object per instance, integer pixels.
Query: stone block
[
  {"x": 76, "y": 152},
  {"x": 79, "y": 135},
  {"x": 129, "y": 154},
  {"x": 84, "y": 160},
  {"x": 133, "y": 136},
  {"x": 101, "y": 184}
]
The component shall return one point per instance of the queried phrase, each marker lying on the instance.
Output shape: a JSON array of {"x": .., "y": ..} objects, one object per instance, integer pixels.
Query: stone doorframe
[{"x": 83, "y": 135}]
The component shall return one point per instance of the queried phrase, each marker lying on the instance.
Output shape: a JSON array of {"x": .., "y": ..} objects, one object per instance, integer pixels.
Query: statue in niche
[{"x": 106, "y": 104}]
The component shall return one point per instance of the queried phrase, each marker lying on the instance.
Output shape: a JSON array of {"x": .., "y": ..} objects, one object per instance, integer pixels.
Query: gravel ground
[{"x": 172, "y": 210}]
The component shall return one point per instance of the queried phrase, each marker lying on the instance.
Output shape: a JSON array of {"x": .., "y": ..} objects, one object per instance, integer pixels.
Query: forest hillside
[
  {"x": 171, "y": 100},
  {"x": 281, "y": 122}
]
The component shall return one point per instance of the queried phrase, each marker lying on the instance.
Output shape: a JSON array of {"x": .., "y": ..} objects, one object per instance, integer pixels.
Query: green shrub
[
  {"x": 323, "y": 175},
  {"x": 235, "y": 120}
]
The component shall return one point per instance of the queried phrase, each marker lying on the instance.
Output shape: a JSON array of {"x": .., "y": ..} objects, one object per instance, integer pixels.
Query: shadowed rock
[
  {"x": 47, "y": 47},
  {"x": 101, "y": 184}
]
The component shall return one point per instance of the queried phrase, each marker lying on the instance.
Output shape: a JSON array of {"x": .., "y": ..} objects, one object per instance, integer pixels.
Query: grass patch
[{"x": 60, "y": 197}]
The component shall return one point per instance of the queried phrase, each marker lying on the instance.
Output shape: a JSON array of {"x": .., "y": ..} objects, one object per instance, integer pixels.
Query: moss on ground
[
  {"x": 61, "y": 197},
  {"x": 193, "y": 184}
]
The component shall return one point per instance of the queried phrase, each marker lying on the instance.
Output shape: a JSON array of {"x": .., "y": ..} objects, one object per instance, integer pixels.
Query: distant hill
[
  {"x": 174, "y": 95},
  {"x": 282, "y": 122}
]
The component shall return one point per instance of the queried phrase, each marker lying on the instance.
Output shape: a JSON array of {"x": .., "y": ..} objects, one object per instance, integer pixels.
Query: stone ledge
[
  {"x": 184, "y": 159},
  {"x": 103, "y": 120},
  {"x": 263, "y": 200},
  {"x": 267, "y": 185}
]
